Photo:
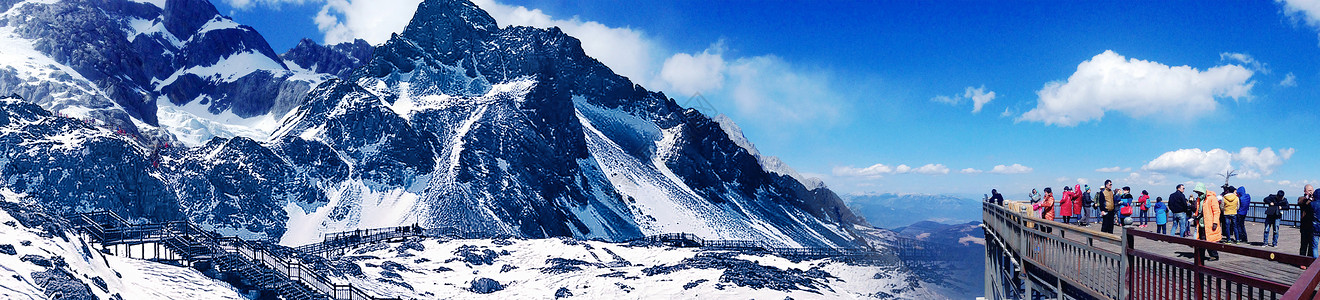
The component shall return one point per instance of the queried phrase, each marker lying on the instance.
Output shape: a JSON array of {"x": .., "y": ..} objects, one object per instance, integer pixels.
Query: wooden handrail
[{"x": 1305, "y": 287}]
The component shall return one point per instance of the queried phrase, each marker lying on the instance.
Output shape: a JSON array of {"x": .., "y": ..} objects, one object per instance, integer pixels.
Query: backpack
[
  {"x": 1272, "y": 210},
  {"x": 1099, "y": 197}
]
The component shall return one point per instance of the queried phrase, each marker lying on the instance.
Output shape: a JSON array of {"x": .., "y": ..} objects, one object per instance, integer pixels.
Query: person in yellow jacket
[
  {"x": 1230, "y": 213},
  {"x": 1208, "y": 212}
]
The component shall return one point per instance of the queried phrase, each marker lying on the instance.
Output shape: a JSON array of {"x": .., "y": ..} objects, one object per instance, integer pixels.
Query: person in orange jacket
[
  {"x": 1208, "y": 211},
  {"x": 1047, "y": 206}
]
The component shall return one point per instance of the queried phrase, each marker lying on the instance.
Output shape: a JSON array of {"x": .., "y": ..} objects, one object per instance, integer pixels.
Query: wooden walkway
[
  {"x": 1289, "y": 242},
  {"x": 1051, "y": 259}
]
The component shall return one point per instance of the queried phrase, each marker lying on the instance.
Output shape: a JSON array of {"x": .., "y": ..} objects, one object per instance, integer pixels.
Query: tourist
[
  {"x": 1141, "y": 203},
  {"x": 1065, "y": 204},
  {"x": 1244, "y": 207},
  {"x": 996, "y": 198},
  {"x": 1178, "y": 206},
  {"x": 1047, "y": 206},
  {"x": 1314, "y": 238},
  {"x": 1274, "y": 207},
  {"x": 1125, "y": 206},
  {"x": 1035, "y": 198},
  {"x": 1161, "y": 216},
  {"x": 1308, "y": 216},
  {"x": 1088, "y": 205},
  {"x": 1230, "y": 214},
  {"x": 1107, "y": 214},
  {"x": 1077, "y": 203},
  {"x": 1207, "y": 214}
]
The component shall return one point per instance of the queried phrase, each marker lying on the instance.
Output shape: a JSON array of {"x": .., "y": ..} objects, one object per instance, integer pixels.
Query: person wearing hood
[
  {"x": 1244, "y": 207},
  {"x": 1077, "y": 203},
  {"x": 1035, "y": 198},
  {"x": 1230, "y": 214},
  {"x": 1207, "y": 214},
  {"x": 1274, "y": 207},
  {"x": 1088, "y": 205},
  {"x": 1161, "y": 216},
  {"x": 1065, "y": 205},
  {"x": 1178, "y": 206}
]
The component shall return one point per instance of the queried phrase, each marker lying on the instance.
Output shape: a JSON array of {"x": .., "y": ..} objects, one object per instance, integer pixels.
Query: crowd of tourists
[{"x": 1204, "y": 214}]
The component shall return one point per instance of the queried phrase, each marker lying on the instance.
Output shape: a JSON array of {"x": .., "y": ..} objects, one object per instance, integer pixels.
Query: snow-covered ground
[
  {"x": 554, "y": 268},
  {"x": 36, "y": 256}
]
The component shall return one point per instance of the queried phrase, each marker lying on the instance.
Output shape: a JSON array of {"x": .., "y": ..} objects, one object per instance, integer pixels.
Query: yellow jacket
[{"x": 1230, "y": 204}]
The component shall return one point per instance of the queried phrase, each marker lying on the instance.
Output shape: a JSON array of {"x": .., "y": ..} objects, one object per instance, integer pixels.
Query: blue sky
[{"x": 852, "y": 91}]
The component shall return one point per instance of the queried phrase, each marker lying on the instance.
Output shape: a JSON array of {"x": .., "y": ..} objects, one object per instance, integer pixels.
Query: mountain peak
[{"x": 443, "y": 24}]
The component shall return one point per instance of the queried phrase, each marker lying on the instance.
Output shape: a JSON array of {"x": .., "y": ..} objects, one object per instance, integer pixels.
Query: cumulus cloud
[
  {"x": 1196, "y": 163},
  {"x": 1111, "y": 82},
  {"x": 978, "y": 95},
  {"x": 373, "y": 21},
  {"x": 1012, "y": 169},
  {"x": 970, "y": 171},
  {"x": 689, "y": 74},
  {"x": 1147, "y": 179},
  {"x": 879, "y": 170},
  {"x": 1114, "y": 169},
  {"x": 1289, "y": 80},
  {"x": 627, "y": 51}
]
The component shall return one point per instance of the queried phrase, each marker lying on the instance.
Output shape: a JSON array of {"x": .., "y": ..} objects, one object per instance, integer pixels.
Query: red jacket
[
  {"x": 1077, "y": 200},
  {"x": 1141, "y": 202},
  {"x": 1065, "y": 204}
]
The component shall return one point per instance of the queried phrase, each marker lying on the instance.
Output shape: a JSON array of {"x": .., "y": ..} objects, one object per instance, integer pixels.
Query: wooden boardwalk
[{"x": 1289, "y": 242}]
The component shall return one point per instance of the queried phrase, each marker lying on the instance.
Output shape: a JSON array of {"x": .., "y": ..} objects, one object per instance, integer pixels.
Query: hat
[
  {"x": 1067, "y": 188},
  {"x": 1200, "y": 188},
  {"x": 1086, "y": 187}
]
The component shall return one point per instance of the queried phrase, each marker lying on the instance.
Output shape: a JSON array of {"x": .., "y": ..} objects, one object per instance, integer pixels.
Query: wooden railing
[
  {"x": 1085, "y": 260},
  {"x": 1154, "y": 276}
]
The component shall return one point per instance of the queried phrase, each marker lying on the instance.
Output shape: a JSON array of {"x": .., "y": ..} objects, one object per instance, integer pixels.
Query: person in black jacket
[
  {"x": 1274, "y": 207},
  {"x": 1308, "y": 216},
  {"x": 1178, "y": 206},
  {"x": 996, "y": 197}
]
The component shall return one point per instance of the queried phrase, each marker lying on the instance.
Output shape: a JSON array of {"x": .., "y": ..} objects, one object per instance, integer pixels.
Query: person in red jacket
[
  {"x": 1141, "y": 203},
  {"x": 1077, "y": 202},
  {"x": 1065, "y": 204}
]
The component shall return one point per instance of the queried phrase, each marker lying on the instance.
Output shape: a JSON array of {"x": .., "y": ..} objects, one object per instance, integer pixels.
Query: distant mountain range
[{"x": 895, "y": 210}]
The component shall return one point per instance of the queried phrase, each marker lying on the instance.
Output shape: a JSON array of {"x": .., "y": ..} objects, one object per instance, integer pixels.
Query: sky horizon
[{"x": 946, "y": 97}]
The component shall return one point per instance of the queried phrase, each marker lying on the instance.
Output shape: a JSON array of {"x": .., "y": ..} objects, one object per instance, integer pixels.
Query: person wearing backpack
[
  {"x": 1161, "y": 216},
  {"x": 1274, "y": 207},
  {"x": 1141, "y": 203}
]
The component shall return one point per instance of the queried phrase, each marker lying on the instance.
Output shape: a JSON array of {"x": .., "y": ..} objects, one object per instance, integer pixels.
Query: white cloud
[
  {"x": 1111, "y": 82},
  {"x": 879, "y": 170},
  {"x": 1289, "y": 80},
  {"x": 1114, "y": 169},
  {"x": 1013, "y": 169},
  {"x": 769, "y": 88},
  {"x": 1148, "y": 179},
  {"x": 373, "y": 20},
  {"x": 970, "y": 171},
  {"x": 627, "y": 51},
  {"x": 1263, "y": 160},
  {"x": 1245, "y": 60},
  {"x": 689, "y": 74},
  {"x": 1192, "y": 163},
  {"x": 1195, "y": 163},
  {"x": 978, "y": 95},
  {"x": 1083, "y": 181},
  {"x": 1307, "y": 11}
]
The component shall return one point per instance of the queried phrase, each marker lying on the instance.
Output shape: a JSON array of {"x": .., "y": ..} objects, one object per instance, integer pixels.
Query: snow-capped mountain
[
  {"x": 163, "y": 71},
  {"x": 453, "y": 123}
]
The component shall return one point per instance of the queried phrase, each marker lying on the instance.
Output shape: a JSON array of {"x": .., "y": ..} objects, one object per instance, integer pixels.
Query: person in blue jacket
[
  {"x": 1244, "y": 206},
  {"x": 1161, "y": 216}
]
